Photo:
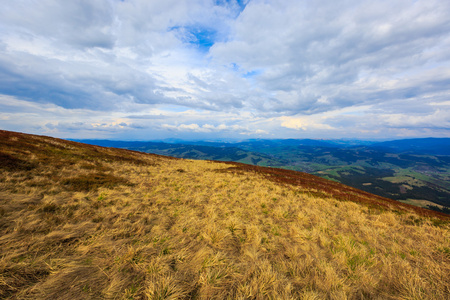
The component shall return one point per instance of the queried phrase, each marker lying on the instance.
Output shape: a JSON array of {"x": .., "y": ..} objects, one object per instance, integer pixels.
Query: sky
[{"x": 225, "y": 69}]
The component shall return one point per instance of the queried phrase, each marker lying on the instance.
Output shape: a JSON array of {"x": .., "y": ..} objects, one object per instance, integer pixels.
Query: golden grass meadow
[{"x": 85, "y": 222}]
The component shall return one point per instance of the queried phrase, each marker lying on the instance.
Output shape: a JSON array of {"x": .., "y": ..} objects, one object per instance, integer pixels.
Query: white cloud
[
  {"x": 303, "y": 123},
  {"x": 208, "y": 128},
  {"x": 269, "y": 65},
  {"x": 329, "y": 49}
]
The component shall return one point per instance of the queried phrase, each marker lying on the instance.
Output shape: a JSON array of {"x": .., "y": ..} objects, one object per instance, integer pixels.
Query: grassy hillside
[
  {"x": 398, "y": 176},
  {"x": 85, "y": 222},
  {"x": 401, "y": 170}
]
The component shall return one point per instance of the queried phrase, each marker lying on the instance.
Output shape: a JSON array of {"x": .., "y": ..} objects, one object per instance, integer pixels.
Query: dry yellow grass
[{"x": 84, "y": 222}]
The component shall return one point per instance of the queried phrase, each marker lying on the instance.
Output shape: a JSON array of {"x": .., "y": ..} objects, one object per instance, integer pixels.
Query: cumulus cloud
[
  {"x": 344, "y": 51},
  {"x": 276, "y": 67},
  {"x": 303, "y": 123},
  {"x": 211, "y": 128}
]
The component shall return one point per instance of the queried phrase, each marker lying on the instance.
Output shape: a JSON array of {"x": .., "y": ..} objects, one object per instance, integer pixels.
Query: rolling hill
[
  {"x": 80, "y": 221},
  {"x": 414, "y": 171}
]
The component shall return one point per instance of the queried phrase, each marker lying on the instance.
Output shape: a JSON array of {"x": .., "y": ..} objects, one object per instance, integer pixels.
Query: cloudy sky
[{"x": 204, "y": 69}]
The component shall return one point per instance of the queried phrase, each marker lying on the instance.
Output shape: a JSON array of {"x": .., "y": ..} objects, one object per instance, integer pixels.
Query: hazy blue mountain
[{"x": 433, "y": 146}]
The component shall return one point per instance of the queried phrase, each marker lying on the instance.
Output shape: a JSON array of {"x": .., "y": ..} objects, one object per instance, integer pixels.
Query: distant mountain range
[
  {"x": 427, "y": 146},
  {"x": 415, "y": 171}
]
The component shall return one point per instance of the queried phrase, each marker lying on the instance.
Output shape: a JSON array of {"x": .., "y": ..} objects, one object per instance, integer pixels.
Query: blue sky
[{"x": 204, "y": 69}]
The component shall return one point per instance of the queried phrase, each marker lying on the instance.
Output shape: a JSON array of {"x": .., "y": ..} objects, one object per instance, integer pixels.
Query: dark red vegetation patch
[
  {"x": 48, "y": 150},
  {"x": 11, "y": 163},
  {"x": 93, "y": 181}
]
